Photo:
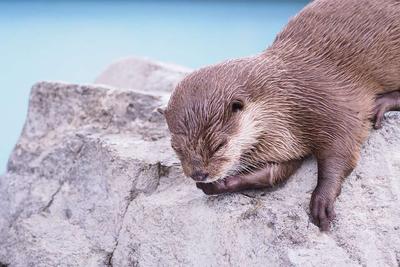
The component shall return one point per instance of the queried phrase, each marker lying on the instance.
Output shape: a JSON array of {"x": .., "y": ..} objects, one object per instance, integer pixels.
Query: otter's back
[{"x": 360, "y": 36}]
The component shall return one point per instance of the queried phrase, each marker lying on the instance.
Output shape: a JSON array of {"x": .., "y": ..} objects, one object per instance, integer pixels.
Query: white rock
[
  {"x": 93, "y": 182},
  {"x": 143, "y": 75}
]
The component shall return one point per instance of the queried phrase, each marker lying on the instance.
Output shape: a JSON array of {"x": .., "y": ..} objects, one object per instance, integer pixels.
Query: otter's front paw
[
  {"x": 228, "y": 184},
  {"x": 322, "y": 210},
  {"x": 209, "y": 188}
]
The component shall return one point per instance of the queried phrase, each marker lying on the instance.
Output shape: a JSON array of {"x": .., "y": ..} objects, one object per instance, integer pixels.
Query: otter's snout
[{"x": 199, "y": 176}]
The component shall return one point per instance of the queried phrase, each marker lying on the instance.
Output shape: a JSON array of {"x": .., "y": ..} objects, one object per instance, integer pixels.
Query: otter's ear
[
  {"x": 237, "y": 105},
  {"x": 161, "y": 110}
]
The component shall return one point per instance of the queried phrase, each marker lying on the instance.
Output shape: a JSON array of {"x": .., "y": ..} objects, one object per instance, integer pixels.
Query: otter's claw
[{"x": 322, "y": 211}]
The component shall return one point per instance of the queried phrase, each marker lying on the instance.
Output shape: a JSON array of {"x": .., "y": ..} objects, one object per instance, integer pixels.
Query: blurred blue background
[{"x": 75, "y": 40}]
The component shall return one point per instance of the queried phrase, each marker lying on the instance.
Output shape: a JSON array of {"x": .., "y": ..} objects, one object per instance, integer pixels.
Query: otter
[{"x": 250, "y": 122}]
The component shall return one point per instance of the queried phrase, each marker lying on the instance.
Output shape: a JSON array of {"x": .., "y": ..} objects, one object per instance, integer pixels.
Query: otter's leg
[
  {"x": 333, "y": 167},
  {"x": 384, "y": 103},
  {"x": 266, "y": 177}
]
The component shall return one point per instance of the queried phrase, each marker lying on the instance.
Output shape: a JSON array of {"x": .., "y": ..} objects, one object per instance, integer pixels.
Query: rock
[
  {"x": 143, "y": 75},
  {"x": 84, "y": 154},
  {"x": 93, "y": 182}
]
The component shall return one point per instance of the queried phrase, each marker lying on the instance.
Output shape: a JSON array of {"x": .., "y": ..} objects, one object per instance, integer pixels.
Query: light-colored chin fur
[
  {"x": 211, "y": 181},
  {"x": 250, "y": 129},
  {"x": 270, "y": 166}
]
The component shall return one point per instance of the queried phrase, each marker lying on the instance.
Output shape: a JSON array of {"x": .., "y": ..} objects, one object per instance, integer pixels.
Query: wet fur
[{"x": 311, "y": 92}]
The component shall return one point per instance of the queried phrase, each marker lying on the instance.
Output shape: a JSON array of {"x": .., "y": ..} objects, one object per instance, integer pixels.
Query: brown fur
[{"x": 312, "y": 92}]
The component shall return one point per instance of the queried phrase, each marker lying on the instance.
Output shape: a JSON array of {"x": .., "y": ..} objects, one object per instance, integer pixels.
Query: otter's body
[{"x": 248, "y": 123}]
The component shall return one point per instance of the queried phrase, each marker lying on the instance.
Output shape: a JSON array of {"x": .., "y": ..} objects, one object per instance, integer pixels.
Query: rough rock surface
[
  {"x": 93, "y": 182},
  {"x": 142, "y": 75}
]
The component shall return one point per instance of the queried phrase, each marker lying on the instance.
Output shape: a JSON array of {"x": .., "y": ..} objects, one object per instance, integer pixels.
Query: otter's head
[{"x": 216, "y": 122}]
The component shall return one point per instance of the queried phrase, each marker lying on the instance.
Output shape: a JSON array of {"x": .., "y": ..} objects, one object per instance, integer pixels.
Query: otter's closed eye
[
  {"x": 237, "y": 105},
  {"x": 220, "y": 146}
]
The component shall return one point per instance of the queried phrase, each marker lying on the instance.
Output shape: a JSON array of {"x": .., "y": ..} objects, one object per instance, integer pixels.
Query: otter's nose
[{"x": 199, "y": 176}]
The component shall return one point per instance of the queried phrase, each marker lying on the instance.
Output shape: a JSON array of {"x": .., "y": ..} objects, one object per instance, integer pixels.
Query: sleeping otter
[{"x": 249, "y": 122}]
